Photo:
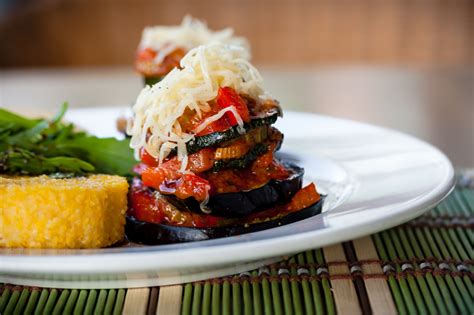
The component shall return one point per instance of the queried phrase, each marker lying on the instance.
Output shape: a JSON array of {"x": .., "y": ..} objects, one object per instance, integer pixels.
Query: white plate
[{"x": 375, "y": 178}]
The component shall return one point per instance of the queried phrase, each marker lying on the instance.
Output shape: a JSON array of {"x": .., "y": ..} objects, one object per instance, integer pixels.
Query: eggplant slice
[
  {"x": 157, "y": 234},
  {"x": 243, "y": 203}
]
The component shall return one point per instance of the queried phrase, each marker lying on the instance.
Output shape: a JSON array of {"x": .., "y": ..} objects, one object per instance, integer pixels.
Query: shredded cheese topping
[
  {"x": 190, "y": 34},
  {"x": 203, "y": 70}
]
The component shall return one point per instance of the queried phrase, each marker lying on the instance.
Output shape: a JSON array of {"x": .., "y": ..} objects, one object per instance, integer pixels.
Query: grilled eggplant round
[
  {"x": 239, "y": 204},
  {"x": 155, "y": 234}
]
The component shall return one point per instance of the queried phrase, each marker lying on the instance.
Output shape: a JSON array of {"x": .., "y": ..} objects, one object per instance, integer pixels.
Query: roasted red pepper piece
[
  {"x": 219, "y": 125},
  {"x": 173, "y": 182},
  {"x": 146, "y": 54},
  {"x": 145, "y": 62},
  {"x": 304, "y": 198},
  {"x": 190, "y": 185},
  {"x": 147, "y": 206},
  {"x": 143, "y": 206},
  {"x": 147, "y": 158},
  {"x": 227, "y": 97},
  {"x": 168, "y": 179}
]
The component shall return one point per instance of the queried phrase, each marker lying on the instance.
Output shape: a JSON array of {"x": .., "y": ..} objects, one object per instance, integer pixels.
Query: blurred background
[
  {"x": 404, "y": 64},
  {"x": 104, "y": 32}
]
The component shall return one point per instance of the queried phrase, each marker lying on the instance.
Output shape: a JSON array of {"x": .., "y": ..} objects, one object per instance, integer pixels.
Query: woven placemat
[{"x": 422, "y": 267}]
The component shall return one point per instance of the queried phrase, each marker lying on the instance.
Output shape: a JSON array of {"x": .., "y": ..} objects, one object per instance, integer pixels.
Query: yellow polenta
[{"x": 81, "y": 212}]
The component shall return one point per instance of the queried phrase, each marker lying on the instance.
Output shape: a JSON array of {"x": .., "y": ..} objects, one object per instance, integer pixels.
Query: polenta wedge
[{"x": 44, "y": 212}]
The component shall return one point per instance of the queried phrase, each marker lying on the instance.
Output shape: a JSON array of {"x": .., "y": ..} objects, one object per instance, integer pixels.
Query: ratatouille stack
[
  {"x": 162, "y": 47},
  {"x": 207, "y": 147}
]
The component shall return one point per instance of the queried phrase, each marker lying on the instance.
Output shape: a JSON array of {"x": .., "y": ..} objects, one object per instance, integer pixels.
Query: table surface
[
  {"x": 434, "y": 105},
  {"x": 424, "y": 266}
]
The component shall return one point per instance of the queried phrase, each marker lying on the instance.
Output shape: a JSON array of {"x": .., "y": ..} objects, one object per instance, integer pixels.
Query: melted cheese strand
[
  {"x": 203, "y": 71},
  {"x": 218, "y": 116},
  {"x": 203, "y": 205},
  {"x": 191, "y": 33}
]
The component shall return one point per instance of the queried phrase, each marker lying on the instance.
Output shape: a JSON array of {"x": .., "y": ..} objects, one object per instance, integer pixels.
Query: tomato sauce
[{"x": 234, "y": 180}]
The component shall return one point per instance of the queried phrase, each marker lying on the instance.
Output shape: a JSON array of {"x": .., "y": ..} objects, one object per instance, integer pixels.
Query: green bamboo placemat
[{"x": 422, "y": 267}]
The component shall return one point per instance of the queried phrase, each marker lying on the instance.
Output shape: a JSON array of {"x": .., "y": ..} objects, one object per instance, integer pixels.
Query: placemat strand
[
  {"x": 378, "y": 291},
  {"x": 422, "y": 267},
  {"x": 343, "y": 289}
]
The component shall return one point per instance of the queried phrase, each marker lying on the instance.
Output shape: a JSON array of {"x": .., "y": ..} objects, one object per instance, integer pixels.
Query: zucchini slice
[
  {"x": 242, "y": 162},
  {"x": 151, "y": 80},
  {"x": 216, "y": 138},
  {"x": 274, "y": 140}
]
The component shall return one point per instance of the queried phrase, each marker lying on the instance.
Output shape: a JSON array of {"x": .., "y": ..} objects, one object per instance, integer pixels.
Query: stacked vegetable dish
[
  {"x": 202, "y": 130},
  {"x": 162, "y": 47},
  {"x": 207, "y": 147}
]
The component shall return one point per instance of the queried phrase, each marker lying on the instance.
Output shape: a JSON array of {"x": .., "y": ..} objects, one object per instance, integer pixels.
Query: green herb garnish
[{"x": 40, "y": 146}]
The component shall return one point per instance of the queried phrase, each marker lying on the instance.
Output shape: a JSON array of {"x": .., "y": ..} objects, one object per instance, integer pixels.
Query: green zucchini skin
[
  {"x": 249, "y": 157},
  {"x": 151, "y": 80},
  {"x": 217, "y": 138},
  {"x": 242, "y": 162},
  {"x": 157, "y": 234}
]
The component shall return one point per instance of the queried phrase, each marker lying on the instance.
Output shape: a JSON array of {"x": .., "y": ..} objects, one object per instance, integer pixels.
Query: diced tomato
[
  {"x": 176, "y": 183},
  {"x": 219, "y": 125},
  {"x": 190, "y": 120},
  {"x": 143, "y": 206},
  {"x": 168, "y": 179},
  {"x": 191, "y": 185},
  {"x": 278, "y": 170},
  {"x": 206, "y": 220},
  {"x": 227, "y": 97},
  {"x": 263, "y": 161},
  {"x": 198, "y": 162},
  {"x": 146, "y": 65},
  {"x": 155, "y": 176},
  {"x": 147, "y": 158},
  {"x": 146, "y": 54},
  {"x": 201, "y": 161}
]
